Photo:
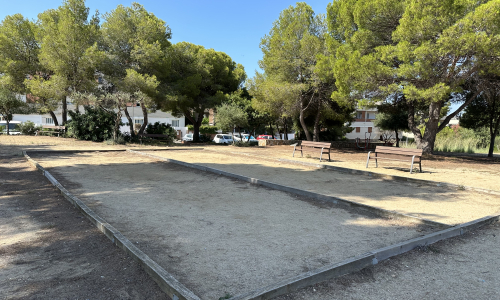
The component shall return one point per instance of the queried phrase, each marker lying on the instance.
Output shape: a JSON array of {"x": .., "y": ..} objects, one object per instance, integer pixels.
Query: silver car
[{"x": 223, "y": 139}]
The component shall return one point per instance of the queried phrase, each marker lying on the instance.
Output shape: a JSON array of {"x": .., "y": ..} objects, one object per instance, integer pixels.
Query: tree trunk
[
  {"x": 64, "y": 110},
  {"x": 426, "y": 142},
  {"x": 303, "y": 123},
  {"x": 8, "y": 122},
  {"x": 145, "y": 115},
  {"x": 397, "y": 138},
  {"x": 117, "y": 124},
  {"x": 196, "y": 126},
  {"x": 130, "y": 122},
  {"x": 316, "y": 124},
  {"x": 431, "y": 128},
  {"x": 285, "y": 128},
  {"x": 53, "y": 115},
  {"x": 493, "y": 135}
]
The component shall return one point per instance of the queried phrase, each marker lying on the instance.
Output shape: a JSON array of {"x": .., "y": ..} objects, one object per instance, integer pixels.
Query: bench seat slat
[
  {"x": 397, "y": 154},
  {"x": 318, "y": 147}
]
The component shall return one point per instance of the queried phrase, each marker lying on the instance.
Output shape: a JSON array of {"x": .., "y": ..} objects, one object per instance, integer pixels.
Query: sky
[{"x": 231, "y": 26}]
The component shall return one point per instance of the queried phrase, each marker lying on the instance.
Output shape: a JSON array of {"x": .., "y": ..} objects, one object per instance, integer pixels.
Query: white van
[{"x": 13, "y": 130}]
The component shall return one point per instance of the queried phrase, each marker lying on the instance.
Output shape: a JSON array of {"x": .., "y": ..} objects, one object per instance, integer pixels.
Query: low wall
[{"x": 264, "y": 143}]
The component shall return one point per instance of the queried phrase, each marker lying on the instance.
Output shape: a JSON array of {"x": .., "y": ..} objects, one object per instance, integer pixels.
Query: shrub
[
  {"x": 28, "y": 128},
  {"x": 162, "y": 128},
  {"x": 204, "y": 138},
  {"x": 205, "y": 129},
  {"x": 95, "y": 124}
]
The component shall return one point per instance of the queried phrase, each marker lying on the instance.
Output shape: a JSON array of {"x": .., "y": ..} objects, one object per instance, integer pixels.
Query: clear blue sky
[{"x": 231, "y": 26}]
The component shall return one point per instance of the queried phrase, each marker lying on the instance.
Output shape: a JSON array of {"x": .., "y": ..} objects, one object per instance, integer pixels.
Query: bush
[
  {"x": 28, "y": 128},
  {"x": 204, "y": 138},
  {"x": 162, "y": 128},
  {"x": 120, "y": 140},
  {"x": 95, "y": 124},
  {"x": 205, "y": 129}
]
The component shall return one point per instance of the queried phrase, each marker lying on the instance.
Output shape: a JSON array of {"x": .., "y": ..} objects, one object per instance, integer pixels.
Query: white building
[
  {"x": 363, "y": 125},
  {"x": 135, "y": 113}
]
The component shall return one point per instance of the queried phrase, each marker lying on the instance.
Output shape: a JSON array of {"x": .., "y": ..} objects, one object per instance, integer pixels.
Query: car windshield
[
  {"x": 12, "y": 126},
  {"x": 228, "y": 137}
]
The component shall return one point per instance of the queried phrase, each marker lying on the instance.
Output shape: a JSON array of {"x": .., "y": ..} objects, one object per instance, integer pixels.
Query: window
[
  {"x": 371, "y": 116},
  {"x": 49, "y": 121},
  {"x": 358, "y": 129},
  {"x": 369, "y": 129},
  {"x": 359, "y": 115},
  {"x": 175, "y": 123},
  {"x": 139, "y": 121}
]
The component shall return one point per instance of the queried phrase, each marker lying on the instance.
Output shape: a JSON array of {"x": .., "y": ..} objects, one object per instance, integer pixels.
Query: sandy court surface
[
  {"x": 468, "y": 171},
  {"x": 434, "y": 203},
  {"x": 214, "y": 234}
]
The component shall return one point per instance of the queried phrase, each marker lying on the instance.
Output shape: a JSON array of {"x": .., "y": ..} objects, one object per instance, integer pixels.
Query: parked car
[
  {"x": 188, "y": 137},
  {"x": 13, "y": 130},
  {"x": 223, "y": 139},
  {"x": 265, "y": 137},
  {"x": 249, "y": 138}
]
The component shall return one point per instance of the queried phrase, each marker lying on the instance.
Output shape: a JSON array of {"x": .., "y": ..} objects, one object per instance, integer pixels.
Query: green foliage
[
  {"x": 205, "y": 121},
  {"x": 162, "y": 128},
  {"x": 67, "y": 35},
  {"x": 28, "y": 128},
  {"x": 134, "y": 39},
  {"x": 231, "y": 115},
  {"x": 205, "y": 129},
  {"x": 423, "y": 50},
  {"x": 198, "y": 80},
  {"x": 96, "y": 124},
  {"x": 461, "y": 140},
  {"x": 9, "y": 104},
  {"x": 19, "y": 51}
]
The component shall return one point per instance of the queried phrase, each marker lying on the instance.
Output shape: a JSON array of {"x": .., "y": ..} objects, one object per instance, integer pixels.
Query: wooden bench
[
  {"x": 55, "y": 129},
  {"x": 158, "y": 137},
  {"x": 400, "y": 154},
  {"x": 313, "y": 147}
]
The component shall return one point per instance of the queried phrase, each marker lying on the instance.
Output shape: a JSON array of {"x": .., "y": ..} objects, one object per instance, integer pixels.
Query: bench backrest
[
  {"x": 53, "y": 127},
  {"x": 316, "y": 144},
  {"x": 398, "y": 151}
]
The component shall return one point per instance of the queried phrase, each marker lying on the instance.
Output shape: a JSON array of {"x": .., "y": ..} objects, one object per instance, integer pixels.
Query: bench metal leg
[
  {"x": 321, "y": 155},
  {"x": 368, "y": 160},
  {"x": 376, "y": 160},
  {"x": 412, "y": 159},
  {"x": 420, "y": 166}
]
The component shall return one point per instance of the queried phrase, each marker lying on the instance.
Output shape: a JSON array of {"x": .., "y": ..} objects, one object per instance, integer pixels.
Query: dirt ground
[
  {"x": 476, "y": 171},
  {"x": 48, "y": 250},
  {"x": 459, "y": 268},
  {"x": 438, "y": 204},
  {"x": 217, "y": 235}
]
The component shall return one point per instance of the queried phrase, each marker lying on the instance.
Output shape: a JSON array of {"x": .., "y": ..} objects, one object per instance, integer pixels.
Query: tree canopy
[
  {"x": 199, "y": 79},
  {"x": 423, "y": 50}
]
